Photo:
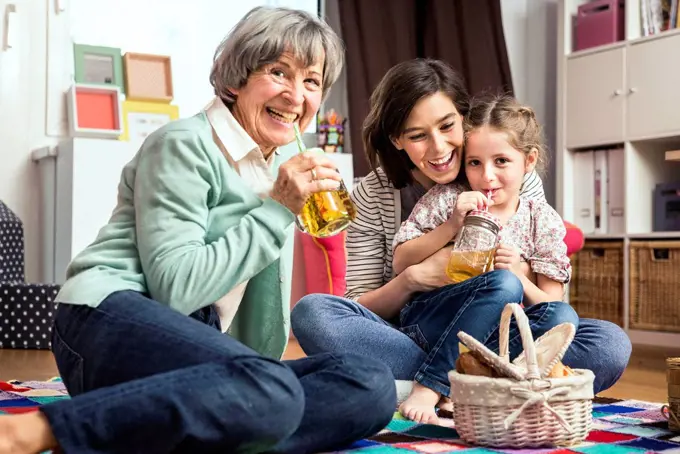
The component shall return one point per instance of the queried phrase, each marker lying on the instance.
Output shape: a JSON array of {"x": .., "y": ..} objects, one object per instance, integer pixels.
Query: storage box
[
  {"x": 654, "y": 290},
  {"x": 11, "y": 246},
  {"x": 667, "y": 207},
  {"x": 26, "y": 315},
  {"x": 596, "y": 288},
  {"x": 599, "y": 22}
]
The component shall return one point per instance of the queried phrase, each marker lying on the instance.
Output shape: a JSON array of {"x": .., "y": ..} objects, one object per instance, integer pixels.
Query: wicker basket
[
  {"x": 654, "y": 291},
  {"x": 525, "y": 410},
  {"x": 596, "y": 288},
  {"x": 672, "y": 410}
]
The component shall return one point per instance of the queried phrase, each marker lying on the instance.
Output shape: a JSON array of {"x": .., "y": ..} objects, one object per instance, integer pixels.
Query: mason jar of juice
[
  {"x": 475, "y": 246},
  {"x": 327, "y": 213}
]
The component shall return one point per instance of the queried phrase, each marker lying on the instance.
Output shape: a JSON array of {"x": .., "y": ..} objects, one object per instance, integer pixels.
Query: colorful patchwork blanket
[{"x": 619, "y": 426}]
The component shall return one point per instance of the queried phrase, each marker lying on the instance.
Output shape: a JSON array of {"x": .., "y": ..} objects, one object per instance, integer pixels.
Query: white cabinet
[
  {"x": 627, "y": 92},
  {"x": 595, "y": 113},
  {"x": 653, "y": 96},
  {"x": 80, "y": 198},
  {"x": 623, "y": 96}
]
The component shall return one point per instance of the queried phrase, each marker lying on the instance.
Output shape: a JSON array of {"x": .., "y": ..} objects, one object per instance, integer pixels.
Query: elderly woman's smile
[{"x": 282, "y": 116}]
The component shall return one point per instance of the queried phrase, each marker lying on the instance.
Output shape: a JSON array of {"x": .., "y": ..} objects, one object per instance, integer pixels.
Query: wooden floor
[{"x": 644, "y": 379}]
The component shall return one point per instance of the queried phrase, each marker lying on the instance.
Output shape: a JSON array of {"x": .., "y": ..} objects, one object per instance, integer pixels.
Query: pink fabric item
[
  {"x": 574, "y": 238},
  {"x": 325, "y": 263}
]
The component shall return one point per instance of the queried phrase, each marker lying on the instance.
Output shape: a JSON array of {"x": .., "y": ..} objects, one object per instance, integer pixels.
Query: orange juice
[
  {"x": 466, "y": 264},
  {"x": 327, "y": 213}
]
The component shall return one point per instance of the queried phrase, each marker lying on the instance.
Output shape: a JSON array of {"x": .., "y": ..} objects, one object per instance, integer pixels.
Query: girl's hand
[
  {"x": 466, "y": 202},
  {"x": 508, "y": 258}
]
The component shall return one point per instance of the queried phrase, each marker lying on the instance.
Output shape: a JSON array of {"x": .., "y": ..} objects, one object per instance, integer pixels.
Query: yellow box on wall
[{"x": 142, "y": 118}]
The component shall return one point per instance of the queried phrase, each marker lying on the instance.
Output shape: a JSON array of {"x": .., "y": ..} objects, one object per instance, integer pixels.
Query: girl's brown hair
[
  {"x": 391, "y": 103},
  {"x": 505, "y": 114}
]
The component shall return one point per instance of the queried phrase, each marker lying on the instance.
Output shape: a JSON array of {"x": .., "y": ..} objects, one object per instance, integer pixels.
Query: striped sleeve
[
  {"x": 367, "y": 251},
  {"x": 532, "y": 187}
]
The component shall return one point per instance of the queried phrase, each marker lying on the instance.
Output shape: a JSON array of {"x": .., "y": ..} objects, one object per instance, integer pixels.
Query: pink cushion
[
  {"x": 325, "y": 262},
  {"x": 574, "y": 238}
]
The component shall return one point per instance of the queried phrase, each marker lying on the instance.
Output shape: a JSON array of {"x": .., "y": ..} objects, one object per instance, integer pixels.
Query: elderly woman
[
  {"x": 414, "y": 140},
  {"x": 172, "y": 322}
]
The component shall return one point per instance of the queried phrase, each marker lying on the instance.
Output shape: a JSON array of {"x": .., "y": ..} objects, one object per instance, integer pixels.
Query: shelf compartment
[
  {"x": 597, "y": 284},
  {"x": 654, "y": 291}
]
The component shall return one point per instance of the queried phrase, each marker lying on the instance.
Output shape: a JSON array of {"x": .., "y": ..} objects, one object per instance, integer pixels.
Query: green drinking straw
[{"x": 298, "y": 139}]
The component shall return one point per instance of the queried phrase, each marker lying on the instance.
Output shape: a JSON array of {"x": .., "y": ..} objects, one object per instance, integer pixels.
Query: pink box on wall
[{"x": 599, "y": 22}]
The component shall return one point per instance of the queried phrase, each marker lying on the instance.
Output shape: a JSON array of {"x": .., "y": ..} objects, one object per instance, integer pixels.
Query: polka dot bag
[
  {"x": 11, "y": 246},
  {"x": 26, "y": 315}
]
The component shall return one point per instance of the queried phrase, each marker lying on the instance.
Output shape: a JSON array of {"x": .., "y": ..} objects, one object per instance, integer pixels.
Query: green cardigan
[{"x": 186, "y": 230}]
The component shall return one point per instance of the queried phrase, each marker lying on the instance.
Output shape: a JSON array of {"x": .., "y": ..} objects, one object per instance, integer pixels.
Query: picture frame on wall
[
  {"x": 141, "y": 118},
  {"x": 98, "y": 65},
  {"x": 148, "y": 77},
  {"x": 94, "y": 111}
]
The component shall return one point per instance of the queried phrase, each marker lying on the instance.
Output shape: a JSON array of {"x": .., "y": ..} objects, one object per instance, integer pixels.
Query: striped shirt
[{"x": 369, "y": 238}]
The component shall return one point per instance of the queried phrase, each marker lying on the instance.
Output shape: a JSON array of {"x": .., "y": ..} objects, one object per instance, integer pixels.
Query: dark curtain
[{"x": 378, "y": 34}]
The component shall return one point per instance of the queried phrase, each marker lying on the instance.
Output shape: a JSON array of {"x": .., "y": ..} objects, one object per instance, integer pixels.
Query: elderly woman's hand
[{"x": 302, "y": 175}]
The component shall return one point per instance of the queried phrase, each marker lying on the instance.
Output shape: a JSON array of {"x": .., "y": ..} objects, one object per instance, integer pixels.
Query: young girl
[{"x": 503, "y": 145}]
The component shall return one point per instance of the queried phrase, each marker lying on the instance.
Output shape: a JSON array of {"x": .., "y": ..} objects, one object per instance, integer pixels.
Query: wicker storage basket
[
  {"x": 596, "y": 287},
  {"x": 524, "y": 410},
  {"x": 654, "y": 288}
]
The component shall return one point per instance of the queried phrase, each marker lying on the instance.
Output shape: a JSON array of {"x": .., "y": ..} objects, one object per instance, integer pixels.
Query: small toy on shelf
[{"x": 331, "y": 132}]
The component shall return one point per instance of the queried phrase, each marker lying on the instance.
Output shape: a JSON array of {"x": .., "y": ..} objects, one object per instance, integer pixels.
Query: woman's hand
[
  {"x": 430, "y": 274},
  {"x": 302, "y": 175},
  {"x": 466, "y": 202},
  {"x": 508, "y": 258}
]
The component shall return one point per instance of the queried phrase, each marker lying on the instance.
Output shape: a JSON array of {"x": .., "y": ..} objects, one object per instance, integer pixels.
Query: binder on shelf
[
  {"x": 616, "y": 219},
  {"x": 600, "y": 189},
  {"x": 584, "y": 191}
]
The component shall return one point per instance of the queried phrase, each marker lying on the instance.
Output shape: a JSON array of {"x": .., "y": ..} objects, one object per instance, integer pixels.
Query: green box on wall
[{"x": 98, "y": 65}]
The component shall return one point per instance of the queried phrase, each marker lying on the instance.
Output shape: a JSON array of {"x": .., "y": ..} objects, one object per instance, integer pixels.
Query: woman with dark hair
[{"x": 414, "y": 139}]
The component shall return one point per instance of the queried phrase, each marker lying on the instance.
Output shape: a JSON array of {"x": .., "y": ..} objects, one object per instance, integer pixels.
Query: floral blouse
[{"x": 535, "y": 229}]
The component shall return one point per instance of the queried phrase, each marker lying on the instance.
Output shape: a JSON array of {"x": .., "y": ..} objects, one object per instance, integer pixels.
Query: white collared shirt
[{"x": 246, "y": 158}]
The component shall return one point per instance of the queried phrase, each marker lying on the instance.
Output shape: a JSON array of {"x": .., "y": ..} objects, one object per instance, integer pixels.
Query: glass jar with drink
[
  {"x": 475, "y": 246},
  {"x": 325, "y": 213}
]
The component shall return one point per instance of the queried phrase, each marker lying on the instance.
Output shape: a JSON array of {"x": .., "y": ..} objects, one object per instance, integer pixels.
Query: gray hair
[{"x": 262, "y": 36}]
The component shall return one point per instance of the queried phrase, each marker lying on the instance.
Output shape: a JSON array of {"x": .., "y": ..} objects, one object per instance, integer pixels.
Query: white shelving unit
[{"x": 621, "y": 95}]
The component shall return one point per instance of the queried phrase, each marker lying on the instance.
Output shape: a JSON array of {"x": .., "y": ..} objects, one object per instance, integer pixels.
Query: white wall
[
  {"x": 22, "y": 98},
  {"x": 530, "y": 28}
]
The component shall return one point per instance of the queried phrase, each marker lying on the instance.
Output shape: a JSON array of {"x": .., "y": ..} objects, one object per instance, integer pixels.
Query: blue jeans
[
  {"x": 145, "y": 378},
  {"x": 325, "y": 323}
]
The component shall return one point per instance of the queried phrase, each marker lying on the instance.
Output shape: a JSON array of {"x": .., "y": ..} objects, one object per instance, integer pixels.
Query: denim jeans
[
  {"x": 147, "y": 379},
  {"x": 326, "y": 323}
]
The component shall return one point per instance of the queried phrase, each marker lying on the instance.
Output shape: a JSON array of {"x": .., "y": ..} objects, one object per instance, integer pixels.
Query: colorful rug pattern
[{"x": 619, "y": 426}]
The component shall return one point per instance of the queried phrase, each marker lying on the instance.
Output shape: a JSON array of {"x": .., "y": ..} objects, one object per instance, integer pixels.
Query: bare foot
[
  {"x": 419, "y": 406},
  {"x": 26, "y": 433}
]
